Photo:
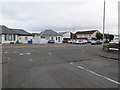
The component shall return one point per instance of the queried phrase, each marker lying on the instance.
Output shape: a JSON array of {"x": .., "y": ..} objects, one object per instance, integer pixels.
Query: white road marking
[
  {"x": 71, "y": 63},
  {"x": 50, "y": 53},
  {"x": 113, "y": 49},
  {"x": 98, "y": 75},
  {"x": 21, "y": 53},
  {"x": 30, "y": 60},
  {"x": 28, "y": 53},
  {"x": 5, "y": 52},
  {"x": 15, "y": 52},
  {"x": 8, "y": 58}
]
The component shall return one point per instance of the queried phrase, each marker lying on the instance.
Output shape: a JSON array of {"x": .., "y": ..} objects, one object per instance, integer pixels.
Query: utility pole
[{"x": 103, "y": 22}]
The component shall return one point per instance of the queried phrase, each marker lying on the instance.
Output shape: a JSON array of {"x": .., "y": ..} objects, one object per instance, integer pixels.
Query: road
[{"x": 58, "y": 66}]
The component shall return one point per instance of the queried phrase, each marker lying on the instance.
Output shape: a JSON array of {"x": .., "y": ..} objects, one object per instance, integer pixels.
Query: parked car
[
  {"x": 71, "y": 41},
  {"x": 64, "y": 41},
  {"x": 79, "y": 42},
  {"x": 96, "y": 42},
  {"x": 85, "y": 41},
  {"x": 89, "y": 41},
  {"x": 51, "y": 41}
]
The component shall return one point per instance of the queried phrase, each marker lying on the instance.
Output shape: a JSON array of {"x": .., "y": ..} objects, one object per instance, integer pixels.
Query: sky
[{"x": 59, "y": 15}]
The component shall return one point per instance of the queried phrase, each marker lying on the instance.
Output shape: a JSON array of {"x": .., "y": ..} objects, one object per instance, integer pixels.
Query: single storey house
[
  {"x": 23, "y": 36},
  {"x": 66, "y": 35},
  {"x": 116, "y": 38},
  {"x": 47, "y": 35},
  {"x": 8, "y": 35},
  {"x": 86, "y": 34}
]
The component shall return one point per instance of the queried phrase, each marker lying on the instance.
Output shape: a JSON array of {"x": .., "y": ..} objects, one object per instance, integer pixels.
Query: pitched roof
[
  {"x": 49, "y": 32},
  {"x": 61, "y": 33},
  {"x": 5, "y": 30},
  {"x": 86, "y": 32},
  {"x": 21, "y": 32}
]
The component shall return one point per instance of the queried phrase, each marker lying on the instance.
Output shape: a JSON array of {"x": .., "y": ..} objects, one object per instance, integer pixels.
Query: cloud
[{"x": 60, "y": 16}]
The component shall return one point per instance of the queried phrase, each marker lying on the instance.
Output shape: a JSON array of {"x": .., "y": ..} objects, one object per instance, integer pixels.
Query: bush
[{"x": 17, "y": 41}]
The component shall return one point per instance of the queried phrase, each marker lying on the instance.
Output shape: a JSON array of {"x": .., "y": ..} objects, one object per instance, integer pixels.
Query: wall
[
  {"x": 94, "y": 34},
  {"x": 38, "y": 39},
  {"x": 116, "y": 38},
  {"x": 67, "y": 35},
  {"x": 24, "y": 39},
  {"x": 3, "y": 39},
  {"x": 88, "y": 36}
]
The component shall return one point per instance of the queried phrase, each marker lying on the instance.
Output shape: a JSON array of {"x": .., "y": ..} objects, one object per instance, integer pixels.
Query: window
[
  {"x": 26, "y": 38},
  {"x": 56, "y": 38},
  {"x": 10, "y": 37},
  {"x": 14, "y": 38},
  {"x": 52, "y": 38},
  {"x": 42, "y": 37},
  {"x": 5, "y": 37}
]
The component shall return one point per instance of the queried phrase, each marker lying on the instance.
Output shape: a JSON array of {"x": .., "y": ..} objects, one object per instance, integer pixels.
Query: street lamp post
[{"x": 103, "y": 22}]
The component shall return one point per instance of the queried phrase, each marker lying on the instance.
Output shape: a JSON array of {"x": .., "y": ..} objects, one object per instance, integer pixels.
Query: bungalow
[
  {"x": 66, "y": 35},
  {"x": 23, "y": 36},
  {"x": 8, "y": 35},
  {"x": 116, "y": 38},
  {"x": 86, "y": 34},
  {"x": 47, "y": 35}
]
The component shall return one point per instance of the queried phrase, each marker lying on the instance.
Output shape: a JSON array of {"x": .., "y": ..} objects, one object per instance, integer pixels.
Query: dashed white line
[
  {"x": 21, "y": 54},
  {"x": 30, "y": 60},
  {"x": 5, "y": 52},
  {"x": 71, "y": 63},
  {"x": 98, "y": 75},
  {"x": 50, "y": 53},
  {"x": 15, "y": 52},
  {"x": 8, "y": 59},
  {"x": 28, "y": 53}
]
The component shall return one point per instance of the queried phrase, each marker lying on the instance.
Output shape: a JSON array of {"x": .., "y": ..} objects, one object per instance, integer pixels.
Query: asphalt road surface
[{"x": 58, "y": 66}]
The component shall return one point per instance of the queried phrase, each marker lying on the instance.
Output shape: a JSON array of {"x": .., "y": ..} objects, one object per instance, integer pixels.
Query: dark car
[
  {"x": 51, "y": 41},
  {"x": 64, "y": 41},
  {"x": 96, "y": 42}
]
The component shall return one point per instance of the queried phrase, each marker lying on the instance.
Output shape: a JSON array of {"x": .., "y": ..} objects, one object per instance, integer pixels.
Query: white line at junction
[{"x": 98, "y": 75}]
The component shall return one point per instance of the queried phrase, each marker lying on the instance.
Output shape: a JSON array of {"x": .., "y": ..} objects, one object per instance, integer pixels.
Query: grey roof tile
[
  {"x": 21, "y": 32},
  {"x": 5, "y": 30},
  {"x": 49, "y": 33}
]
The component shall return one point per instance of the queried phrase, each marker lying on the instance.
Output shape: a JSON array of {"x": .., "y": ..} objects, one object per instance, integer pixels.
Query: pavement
[{"x": 58, "y": 66}]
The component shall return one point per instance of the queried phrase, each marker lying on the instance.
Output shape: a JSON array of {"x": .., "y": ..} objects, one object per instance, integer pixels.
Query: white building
[
  {"x": 66, "y": 35},
  {"x": 86, "y": 34},
  {"x": 116, "y": 38},
  {"x": 8, "y": 35},
  {"x": 23, "y": 36},
  {"x": 47, "y": 35}
]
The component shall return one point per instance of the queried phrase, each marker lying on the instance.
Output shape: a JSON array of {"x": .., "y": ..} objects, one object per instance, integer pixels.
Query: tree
[
  {"x": 111, "y": 37},
  {"x": 98, "y": 36},
  {"x": 106, "y": 36}
]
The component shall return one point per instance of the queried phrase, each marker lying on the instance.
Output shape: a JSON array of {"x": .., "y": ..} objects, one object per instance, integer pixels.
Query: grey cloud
[{"x": 86, "y": 14}]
